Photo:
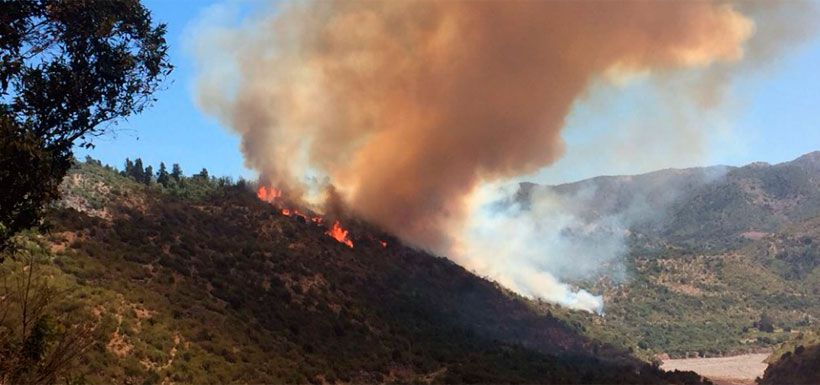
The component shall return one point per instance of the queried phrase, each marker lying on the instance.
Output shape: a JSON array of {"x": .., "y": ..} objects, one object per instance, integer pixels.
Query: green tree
[
  {"x": 162, "y": 175},
  {"x": 176, "y": 172},
  {"x": 765, "y": 324},
  {"x": 128, "y": 170},
  {"x": 138, "y": 172},
  {"x": 68, "y": 71},
  {"x": 25, "y": 166},
  {"x": 148, "y": 175},
  {"x": 90, "y": 160},
  {"x": 203, "y": 174}
]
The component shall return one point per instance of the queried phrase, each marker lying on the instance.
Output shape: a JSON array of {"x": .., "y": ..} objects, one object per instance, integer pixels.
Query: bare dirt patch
[{"x": 734, "y": 370}]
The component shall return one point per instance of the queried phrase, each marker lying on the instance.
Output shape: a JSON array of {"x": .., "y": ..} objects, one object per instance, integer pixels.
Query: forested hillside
[
  {"x": 195, "y": 279},
  {"x": 198, "y": 281}
]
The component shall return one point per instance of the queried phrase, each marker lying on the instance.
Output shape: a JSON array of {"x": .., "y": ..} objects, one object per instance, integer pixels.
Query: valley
[{"x": 734, "y": 370}]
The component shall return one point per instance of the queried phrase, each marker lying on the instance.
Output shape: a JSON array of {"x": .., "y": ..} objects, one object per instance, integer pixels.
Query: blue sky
[
  {"x": 773, "y": 118},
  {"x": 174, "y": 130}
]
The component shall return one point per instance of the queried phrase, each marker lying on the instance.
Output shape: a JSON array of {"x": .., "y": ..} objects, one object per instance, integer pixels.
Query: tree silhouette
[
  {"x": 162, "y": 175},
  {"x": 68, "y": 71},
  {"x": 128, "y": 170},
  {"x": 176, "y": 172},
  {"x": 138, "y": 172},
  {"x": 29, "y": 175},
  {"x": 203, "y": 174},
  {"x": 148, "y": 175}
]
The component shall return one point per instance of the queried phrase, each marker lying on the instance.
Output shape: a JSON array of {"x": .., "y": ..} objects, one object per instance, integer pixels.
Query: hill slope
[
  {"x": 799, "y": 367},
  {"x": 711, "y": 251},
  {"x": 206, "y": 284}
]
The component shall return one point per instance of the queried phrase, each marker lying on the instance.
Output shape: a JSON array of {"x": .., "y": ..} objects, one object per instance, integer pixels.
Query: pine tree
[
  {"x": 176, "y": 172},
  {"x": 148, "y": 175},
  {"x": 162, "y": 175},
  {"x": 129, "y": 168},
  {"x": 203, "y": 174},
  {"x": 139, "y": 171}
]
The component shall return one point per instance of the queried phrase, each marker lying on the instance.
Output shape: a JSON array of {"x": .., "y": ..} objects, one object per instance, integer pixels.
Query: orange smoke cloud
[{"x": 405, "y": 107}]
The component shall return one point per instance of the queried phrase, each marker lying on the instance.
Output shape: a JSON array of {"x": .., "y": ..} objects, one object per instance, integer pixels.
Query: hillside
[
  {"x": 798, "y": 367},
  {"x": 205, "y": 283},
  {"x": 200, "y": 281},
  {"x": 711, "y": 252}
]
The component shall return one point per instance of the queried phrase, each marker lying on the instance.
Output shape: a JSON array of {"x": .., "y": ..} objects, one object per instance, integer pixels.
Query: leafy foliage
[
  {"x": 68, "y": 69},
  {"x": 70, "y": 66},
  {"x": 29, "y": 176}
]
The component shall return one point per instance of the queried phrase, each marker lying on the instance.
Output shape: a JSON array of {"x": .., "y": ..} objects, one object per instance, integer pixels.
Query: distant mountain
[
  {"x": 612, "y": 194},
  {"x": 205, "y": 283},
  {"x": 711, "y": 207},
  {"x": 711, "y": 251},
  {"x": 751, "y": 199}
]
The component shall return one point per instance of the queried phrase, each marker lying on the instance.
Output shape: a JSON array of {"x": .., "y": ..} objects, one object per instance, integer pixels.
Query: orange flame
[
  {"x": 268, "y": 195},
  {"x": 271, "y": 194},
  {"x": 340, "y": 234}
]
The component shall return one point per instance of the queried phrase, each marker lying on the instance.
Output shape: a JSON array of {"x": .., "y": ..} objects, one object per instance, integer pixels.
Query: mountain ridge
[{"x": 710, "y": 251}]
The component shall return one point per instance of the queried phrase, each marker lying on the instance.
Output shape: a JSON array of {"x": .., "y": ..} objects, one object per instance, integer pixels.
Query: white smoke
[{"x": 531, "y": 245}]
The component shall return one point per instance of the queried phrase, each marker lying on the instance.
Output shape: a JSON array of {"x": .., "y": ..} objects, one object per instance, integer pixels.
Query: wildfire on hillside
[
  {"x": 268, "y": 194},
  {"x": 273, "y": 196},
  {"x": 340, "y": 234}
]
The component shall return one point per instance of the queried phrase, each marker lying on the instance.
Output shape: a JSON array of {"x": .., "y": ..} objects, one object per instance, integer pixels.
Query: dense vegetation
[{"x": 203, "y": 283}]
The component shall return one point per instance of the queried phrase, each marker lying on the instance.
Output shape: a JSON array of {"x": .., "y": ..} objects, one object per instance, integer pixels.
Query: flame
[
  {"x": 272, "y": 194},
  {"x": 340, "y": 234},
  {"x": 268, "y": 195},
  {"x": 384, "y": 243}
]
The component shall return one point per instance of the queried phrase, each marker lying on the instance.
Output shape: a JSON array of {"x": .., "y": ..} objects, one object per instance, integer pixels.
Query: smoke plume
[
  {"x": 524, "y": 244},
  {"x": 406, "y": 107}
]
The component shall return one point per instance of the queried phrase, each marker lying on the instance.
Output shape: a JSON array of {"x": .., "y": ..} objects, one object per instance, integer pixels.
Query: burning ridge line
[{"x": 273, "y": 196}]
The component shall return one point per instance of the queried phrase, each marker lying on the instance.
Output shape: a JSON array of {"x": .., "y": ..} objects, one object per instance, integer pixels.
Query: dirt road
[{"x": 735, "y": 370}]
